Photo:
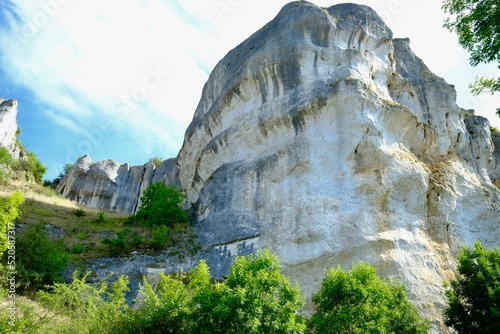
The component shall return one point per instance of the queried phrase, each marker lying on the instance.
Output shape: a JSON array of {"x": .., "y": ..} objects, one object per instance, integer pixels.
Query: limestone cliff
[
  {"x": 329, "y": 141},
  {"x": 8, "y": 127},
  {"x": 111, "y": 185}
]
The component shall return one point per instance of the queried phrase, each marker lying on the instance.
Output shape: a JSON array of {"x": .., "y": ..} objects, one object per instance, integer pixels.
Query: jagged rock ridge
[
  {"x": 111, "y": 185},
  {"x": 329, "y": 141}
]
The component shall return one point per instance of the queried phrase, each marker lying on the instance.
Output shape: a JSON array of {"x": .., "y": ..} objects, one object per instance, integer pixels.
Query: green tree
[
  {"x": 66, "y": 168},
  {"x": 474, "y": 295},
  {"x": 32, "y": 167},
  {"x": 161, "y": 205},
  {"x": 359, "y": 301},
  {"x": 156, "y": 160},
  {"x": 40, "y": 260},
  {"x": 256, "y": 298},
  {"x": 477, "y": 24}
]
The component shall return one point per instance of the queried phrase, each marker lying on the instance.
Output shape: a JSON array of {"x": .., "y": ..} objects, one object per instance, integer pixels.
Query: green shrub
[
  {"x": 9, "y": 212},
  {"x": 79, "y": 212},
  {"x": 40, "y": 260},
  {"x": 256, "y": 298},
  {"x": 66, "y": 169},
  {"x": 32, "y": 167},
  {"x": 161, "y": 205},
  {"x": 359, "y": 301},
  {"x": 474, "y": 295},
  {"x": 47, "y": 183},
  {"x": 5, "y": 157},
  {"x": 136, "y": 240},
  {"x": 165, "y": 311},
  {"x": 100, "y": 217},
  {"x": 82, "y": 236},
  {"x": 156, "y": 161},
  {"x": 160, "y": 237},
  {"x": 77, "y": 249},
  {"x": 125, "y": 240},
  {"x": 86, "y": 308}
]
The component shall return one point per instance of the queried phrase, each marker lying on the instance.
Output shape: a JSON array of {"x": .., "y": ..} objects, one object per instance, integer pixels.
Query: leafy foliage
[
  {"x": 5, "y": 163},
  {"x": 66, "y": 168},
  {"x": 79, "y": 212},
  {"x": 359, "y": 301},
  {"x": 40, "y": 260},
  {"x": 125, "y": 240},
  {"x": 101, "y": 216},
  {"x": 86, "y": 308},
  {"x": 156, "y": 161},
  {"x": 9, "y": 212},
  {"x": 5, "y": 157},
  {"x": 161, "y": 205},
  {"x": 166, "y": 311},
  {"x": 477, "y": 24},
  {"x": 33, "y": 168},
  {"x": 161, "y": 237},
  {"x": 474, "y": 295},
  {"x": 256, "y": 298}
]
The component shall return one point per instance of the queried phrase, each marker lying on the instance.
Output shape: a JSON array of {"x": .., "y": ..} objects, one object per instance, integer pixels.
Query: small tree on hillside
[
  {"x": 161, "y": 205},
  {"x": 40, "y": 260},
  {"x": 474, "y": 295},
  {"x": 359, "y": 301},
  {"x": 156, "y": 161}
]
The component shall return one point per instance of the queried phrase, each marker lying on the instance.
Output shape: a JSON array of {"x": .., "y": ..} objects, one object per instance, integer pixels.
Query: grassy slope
[
  {"x": 83, "y": 235},
  {"x": 43, "y": 205}
]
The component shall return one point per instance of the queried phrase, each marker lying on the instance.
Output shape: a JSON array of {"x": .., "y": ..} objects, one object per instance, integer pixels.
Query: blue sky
[{"x": 121, "y": 79}]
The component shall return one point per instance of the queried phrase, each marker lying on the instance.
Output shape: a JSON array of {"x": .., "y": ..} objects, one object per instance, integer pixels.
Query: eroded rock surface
[
  {"x": 8, "y": 127},
  {"x": 327, "y": 140},
  {"x": 111, "y": 185}
]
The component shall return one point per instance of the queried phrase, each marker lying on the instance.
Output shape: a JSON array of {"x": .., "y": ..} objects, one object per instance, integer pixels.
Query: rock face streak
[{"x": 327, "y": 140}]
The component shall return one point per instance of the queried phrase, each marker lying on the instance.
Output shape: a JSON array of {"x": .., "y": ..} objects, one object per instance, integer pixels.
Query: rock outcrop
[
  {"x": 111, "y": 185},
  {"x": 329, "y": 141},
  {"x": 8, "y": 127}
]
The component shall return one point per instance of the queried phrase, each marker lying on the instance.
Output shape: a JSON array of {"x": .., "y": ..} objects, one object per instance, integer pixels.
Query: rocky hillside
[{"x": 329, "y": 141}]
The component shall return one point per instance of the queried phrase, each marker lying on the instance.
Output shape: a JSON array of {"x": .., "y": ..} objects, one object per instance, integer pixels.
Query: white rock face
[
  {"x": 8, "y": 126},
  {"x": 328, "y": 141},
  {"x": 111, "y": 185}
]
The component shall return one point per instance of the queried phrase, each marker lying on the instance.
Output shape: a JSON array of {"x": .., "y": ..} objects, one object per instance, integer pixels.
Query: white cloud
[
  {"x": 87, "y": 55},
  {"x": 82, "y": 57}
]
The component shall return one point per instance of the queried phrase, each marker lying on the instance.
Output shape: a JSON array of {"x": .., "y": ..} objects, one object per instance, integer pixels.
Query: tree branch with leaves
[{"x": 477, "y": 24}]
